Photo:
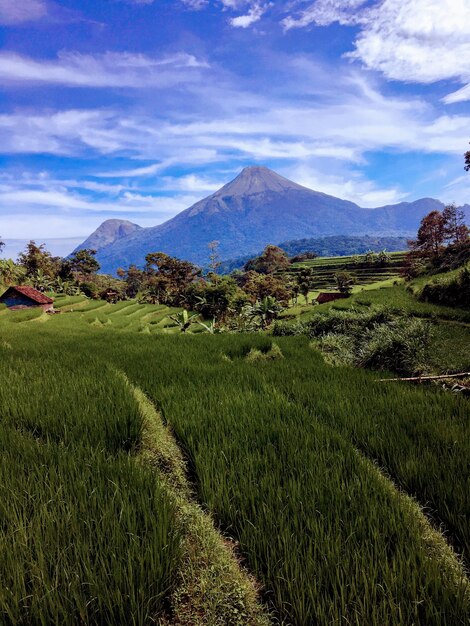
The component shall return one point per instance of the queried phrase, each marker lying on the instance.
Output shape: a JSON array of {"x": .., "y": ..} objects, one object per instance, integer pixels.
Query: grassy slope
[
  {"x": 451, "y": 344},
  {"x": 272, "y": 447}
]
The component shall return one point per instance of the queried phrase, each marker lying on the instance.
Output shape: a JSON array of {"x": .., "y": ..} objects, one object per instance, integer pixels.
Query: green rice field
[
  {"x": 343, "y": 495},
  {"x": 325, "y": 268}
]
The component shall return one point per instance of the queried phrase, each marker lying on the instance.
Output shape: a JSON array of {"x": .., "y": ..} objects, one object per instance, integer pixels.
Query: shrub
[
  {"x": 455, "y": 292},
  {"x": 401, "y": 345}
]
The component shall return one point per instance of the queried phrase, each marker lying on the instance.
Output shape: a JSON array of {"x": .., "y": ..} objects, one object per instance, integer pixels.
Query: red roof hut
[
  {"x": 21, "y": 297},
  {"x": 330, "y": 297}
]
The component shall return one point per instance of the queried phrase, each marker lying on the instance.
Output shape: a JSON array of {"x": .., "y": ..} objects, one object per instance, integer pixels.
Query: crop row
[
  {"x": 86, "y": 532},
  {"x": 314, "y": 518}
]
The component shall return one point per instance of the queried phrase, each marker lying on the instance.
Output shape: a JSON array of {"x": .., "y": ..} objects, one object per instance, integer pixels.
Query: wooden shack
[
  {"x": 330, "y": 297},
  {"x": 22, "y": 297}
]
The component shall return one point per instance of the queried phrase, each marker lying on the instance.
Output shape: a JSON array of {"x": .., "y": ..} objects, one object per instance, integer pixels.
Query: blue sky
[{"x": 138, "y": 108}]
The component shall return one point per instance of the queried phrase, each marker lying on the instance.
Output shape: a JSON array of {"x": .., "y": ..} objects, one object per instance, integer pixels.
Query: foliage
[
  {"x": 266, "y": 311},
  {"x": 82, "y": 262},
  {"x": 215, "y": 299},
  {"x": 271, "y": 260},
  {"x": 305, "y": 281},
  {"x": 184, "y": 319},
  {"x": 87, "y": 534},
  {"x": 401, "y": 345},
  {"x": 260, "y": 286},
  {"x": 438, "y": 229},
  {"x": 344, "y": 282},
  {"x": 274, "y": 453},
  {"x": 454, "y": 292},
  {"x": 167, "y": 278},
  {"x": 36, "y": 258}
]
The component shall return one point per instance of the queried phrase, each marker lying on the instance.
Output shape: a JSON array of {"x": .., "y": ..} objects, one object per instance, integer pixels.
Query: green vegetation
[
  {"x": 273, "y": 447},
  {"x": 86, "y": 531},
  {"x": 366, "y": 270},
  {"x": 339, "y": 491}
]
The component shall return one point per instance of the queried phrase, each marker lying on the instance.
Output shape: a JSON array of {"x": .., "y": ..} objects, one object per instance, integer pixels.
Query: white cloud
[
  {"x": 112, "y": 69},
  {"x": 18, "y": 12},
  {"x": 351, "y": 186},
  {"x": 255, "y": 13},
  {"x": 195, "y": 5},
  {"x": 324, "y": 12},
  {"x": 421, "y": 41},
  {"x": 351, "y": 120},
  {"x": 192, "y": 183}
]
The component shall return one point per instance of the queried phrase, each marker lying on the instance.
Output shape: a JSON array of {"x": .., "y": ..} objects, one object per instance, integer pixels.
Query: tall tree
[
  {"x": 169, "y": 277},
  {"x": 214, "y": 257},
  {"x": 455, "y": 229},
  {"x": 467, "y": 161},
  {"x": 305, "y": 281},
  {"x": 431, "y": 235},
  {"x": 84, "y": 262},
  {"x": 36, "y": 258},
  {"x": 271, "y": 260}
]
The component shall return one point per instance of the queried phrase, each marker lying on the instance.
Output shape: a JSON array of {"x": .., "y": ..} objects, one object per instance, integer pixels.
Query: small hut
[
  {"x": 22, "y": 297},
  {"x": 330, "y": 297}
]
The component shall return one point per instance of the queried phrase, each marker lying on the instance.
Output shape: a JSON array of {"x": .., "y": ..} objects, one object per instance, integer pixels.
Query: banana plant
[
  {"x": 266, "y": 310},
  {"x": 41, "y": 281},
  {"x": 209, "y": 326},
  {"x": 184, "y": 319}
]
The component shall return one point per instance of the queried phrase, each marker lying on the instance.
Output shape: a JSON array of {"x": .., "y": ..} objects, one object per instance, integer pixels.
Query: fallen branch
[{"x": 420, "y": 378}]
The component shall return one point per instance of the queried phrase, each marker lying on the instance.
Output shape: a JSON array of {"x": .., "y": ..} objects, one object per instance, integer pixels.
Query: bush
[
  {"x": 401, "y": 346},
  {"x": 455, "y": 292}
]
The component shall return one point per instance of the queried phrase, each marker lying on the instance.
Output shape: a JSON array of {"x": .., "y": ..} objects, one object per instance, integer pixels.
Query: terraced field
[
  {"x": 297, "y": 461},
  {"x": 325, "y": 269},
  {"x": 128, "y": 315}
]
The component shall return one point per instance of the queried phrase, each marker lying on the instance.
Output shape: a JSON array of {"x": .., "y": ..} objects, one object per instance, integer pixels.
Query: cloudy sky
[{"x": 138, "y": 108}]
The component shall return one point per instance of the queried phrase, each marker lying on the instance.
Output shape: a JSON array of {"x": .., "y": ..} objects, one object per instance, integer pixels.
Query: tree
[
  {"x": 83, "y": 262},
  {"x": 184, "y": 319},
  {"x": 344, "y": 282},
  {"x": 271, "y": 260},
  {"x": 134, "y": 279},
  {"x": 467, "y": 161},
  {"x": 167, "y": 278},
  {"x": 260, "y": 286},
  {"x": 212, "y": 300},
  {"x": 214, "y": 257},
  {"x": 2, "y": 245},
  {"x": 305, "y": 282},
  {"x": 36, "y": 258},
  {"x": 10, "y": 272},
  {"x": 455, "y": 229},
  {"x": 431, "y": 235}
]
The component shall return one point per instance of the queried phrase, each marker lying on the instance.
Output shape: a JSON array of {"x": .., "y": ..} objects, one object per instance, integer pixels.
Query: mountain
[
  {"x": 108, "y": 233},
  {"x": 256, "y": 208}
]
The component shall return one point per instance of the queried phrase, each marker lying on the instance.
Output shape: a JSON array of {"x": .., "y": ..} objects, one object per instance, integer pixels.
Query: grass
[
  {"x": 86, "y": 532},
  {"x": 325, "y": 268},
  {"x": 305, "y": 467}
]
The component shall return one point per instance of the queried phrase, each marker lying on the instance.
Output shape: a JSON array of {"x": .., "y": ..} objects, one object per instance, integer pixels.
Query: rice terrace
[{"x": 234, "y": 313}]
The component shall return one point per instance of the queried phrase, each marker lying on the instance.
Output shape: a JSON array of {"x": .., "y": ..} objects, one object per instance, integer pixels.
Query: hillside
[
  {"x": 256, "y": 208},
  {"x": 108, "y": 233}
]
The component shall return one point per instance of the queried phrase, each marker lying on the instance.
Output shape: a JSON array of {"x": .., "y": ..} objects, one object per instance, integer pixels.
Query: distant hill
[
  {"x": 108, "y": 233},
  {"x": 338, "y": 245},
  {"x": 256, "y": 208}
]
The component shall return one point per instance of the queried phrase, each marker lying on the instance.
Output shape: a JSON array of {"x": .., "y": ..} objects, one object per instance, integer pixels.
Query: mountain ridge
[{"x": 256, "y": 208}]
